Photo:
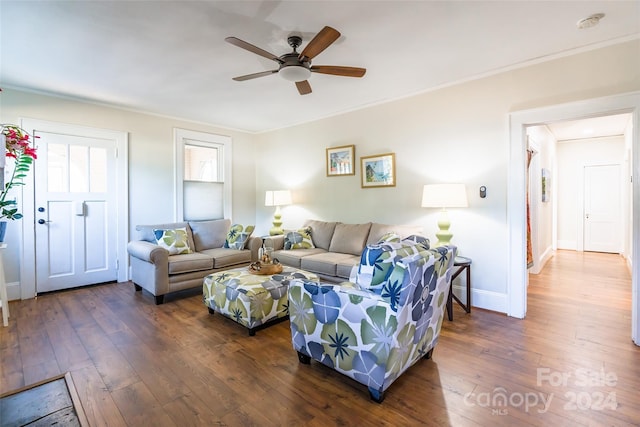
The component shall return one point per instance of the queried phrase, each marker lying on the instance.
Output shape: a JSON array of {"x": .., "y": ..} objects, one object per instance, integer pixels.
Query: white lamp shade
[
  {"x": 277, "y": 198},
  {"x": 444, "y": 196}
]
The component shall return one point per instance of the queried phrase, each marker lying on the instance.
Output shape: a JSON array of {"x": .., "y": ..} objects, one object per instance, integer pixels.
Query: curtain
[{"x": 530, "y": 154}]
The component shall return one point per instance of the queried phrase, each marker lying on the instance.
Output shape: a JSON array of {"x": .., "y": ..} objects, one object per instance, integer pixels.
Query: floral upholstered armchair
[{"x": 384, "y": 320}]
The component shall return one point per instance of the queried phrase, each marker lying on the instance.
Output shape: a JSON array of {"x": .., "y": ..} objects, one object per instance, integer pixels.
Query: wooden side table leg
[
  {"x": 450, "y": 302},
  {"x": 467, "y": 308}
]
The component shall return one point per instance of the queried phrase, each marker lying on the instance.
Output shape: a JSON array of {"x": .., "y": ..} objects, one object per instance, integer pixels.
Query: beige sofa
[
  {"x": 153, "y": 269},
  {"x": 338, "y": 246}
]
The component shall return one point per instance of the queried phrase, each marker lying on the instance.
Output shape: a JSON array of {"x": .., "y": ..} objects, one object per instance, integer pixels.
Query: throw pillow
[
  {"x": 298, "y": 239},
  {"x": 175, "y": 240},
  {"x": 238, "y": 236},
  {"x": 389, "y": 237},
  {"x": 378, "y": 261},
  {"x": 421, "y": 240}
]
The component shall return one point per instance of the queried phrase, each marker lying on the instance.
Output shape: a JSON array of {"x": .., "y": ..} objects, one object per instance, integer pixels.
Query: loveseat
[
  {"x": 375, "y": 327},
  {"x": 331, "y": 249},
  {"x": 176, "y": 256}
]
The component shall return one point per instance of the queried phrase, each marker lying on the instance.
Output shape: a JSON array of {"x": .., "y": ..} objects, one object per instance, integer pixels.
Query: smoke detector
[{"x": 590, "y": 21}]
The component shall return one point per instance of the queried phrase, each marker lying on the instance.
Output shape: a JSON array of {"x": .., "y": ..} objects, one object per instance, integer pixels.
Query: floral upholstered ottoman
[{"x": 250, "y": 299}]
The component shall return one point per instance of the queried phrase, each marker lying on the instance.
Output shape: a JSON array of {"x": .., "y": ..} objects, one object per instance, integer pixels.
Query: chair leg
[
  {"x": 429, "y": 354},
  {"x": 211, "y": 310},
  {"x": 303, "y": 358},
  {"x": 159, "y": 299},
  {"x": 376, "y": 395}
]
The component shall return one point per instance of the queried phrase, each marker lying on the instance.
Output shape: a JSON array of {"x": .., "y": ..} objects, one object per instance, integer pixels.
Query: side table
[
  {"x": 4, "y": 301},
  {"x": 463, "y": 264}
]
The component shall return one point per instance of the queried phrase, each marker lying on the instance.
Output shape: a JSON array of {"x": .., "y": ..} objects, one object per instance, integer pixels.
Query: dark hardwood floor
[{"x": 570, "y": 362}]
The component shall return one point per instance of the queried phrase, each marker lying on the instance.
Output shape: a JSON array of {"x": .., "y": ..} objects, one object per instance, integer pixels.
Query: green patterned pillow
[
  {"x": 298, "y": 239},
  {"x": 389, "y": 237},
  {"x": 175, "y": 240},
  {"x": 238, "y": 236}
]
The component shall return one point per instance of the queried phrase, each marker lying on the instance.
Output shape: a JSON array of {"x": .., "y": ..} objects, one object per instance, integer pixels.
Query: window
[{"x": 203, "y": 175}]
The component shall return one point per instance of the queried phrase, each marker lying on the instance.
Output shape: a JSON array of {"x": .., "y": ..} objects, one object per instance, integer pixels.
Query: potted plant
[{"x": 17, "y": 152}]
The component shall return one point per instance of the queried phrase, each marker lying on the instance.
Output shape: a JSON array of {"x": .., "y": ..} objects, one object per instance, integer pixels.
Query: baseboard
[
  {"x": 571, "y": 245},
  {"x": 13, "y": 291},
  {"x": 487, "y": 300}
]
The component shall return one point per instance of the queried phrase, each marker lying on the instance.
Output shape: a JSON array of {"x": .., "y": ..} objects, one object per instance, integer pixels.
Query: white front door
[
  {"x": 602, "y": 209},
  {"x": 75, "y": 211}
]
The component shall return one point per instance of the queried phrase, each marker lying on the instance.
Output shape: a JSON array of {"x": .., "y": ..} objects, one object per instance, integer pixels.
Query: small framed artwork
[
  {"x": 378, "y": 171},
  {"x": 545, "y": 185},
  {"x": 341, "y": 160}
]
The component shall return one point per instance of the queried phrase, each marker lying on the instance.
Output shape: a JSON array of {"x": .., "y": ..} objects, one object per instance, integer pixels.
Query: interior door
[
  {"x": 75, "y": 201},
  {"x": 602, "y": 209}
]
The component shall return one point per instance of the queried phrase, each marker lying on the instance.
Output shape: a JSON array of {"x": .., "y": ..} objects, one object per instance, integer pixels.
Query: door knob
[
  {"x": 40, "y": 209},
  {"x": 42, "y": 221}
]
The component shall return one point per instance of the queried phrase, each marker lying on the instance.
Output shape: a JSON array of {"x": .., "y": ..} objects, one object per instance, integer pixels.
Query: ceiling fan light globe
[{"x": 295, "y": 73}]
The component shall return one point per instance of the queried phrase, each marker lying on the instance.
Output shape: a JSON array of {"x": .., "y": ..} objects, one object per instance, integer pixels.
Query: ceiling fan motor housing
[{"x": 293, "y": 69}]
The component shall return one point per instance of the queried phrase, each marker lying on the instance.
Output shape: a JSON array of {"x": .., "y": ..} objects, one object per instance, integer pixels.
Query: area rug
[{"x": 50, "y": 402}]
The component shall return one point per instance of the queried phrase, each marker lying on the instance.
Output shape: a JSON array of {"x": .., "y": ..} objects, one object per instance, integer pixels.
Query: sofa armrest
[
  {"x": 254, "y": 244},
  {"x": 276, "y": 242},
  {"x": 147, "y": 251}
]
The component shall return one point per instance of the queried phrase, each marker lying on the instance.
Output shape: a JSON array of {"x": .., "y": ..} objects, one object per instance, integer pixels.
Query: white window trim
[{"x": 222, "y": 142}]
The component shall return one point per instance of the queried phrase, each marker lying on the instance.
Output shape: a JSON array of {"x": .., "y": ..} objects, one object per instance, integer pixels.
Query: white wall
[
  {"x": 573, "y": 156},
  {"x": 151, "y": 164},
  {"x": 542, "y": 213},
  {"x": 455, "y": 134}
]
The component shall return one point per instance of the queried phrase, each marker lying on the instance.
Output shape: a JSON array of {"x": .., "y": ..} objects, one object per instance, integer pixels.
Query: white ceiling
[
  {"x": 596, "y": 127},
  {"x": 170, "y": 57}
]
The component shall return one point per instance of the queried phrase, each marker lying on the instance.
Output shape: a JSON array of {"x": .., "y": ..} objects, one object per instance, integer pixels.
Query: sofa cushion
[
  {"x": 379, "y": 230},
  {"x": 238, "y": 236},
  {"x": 378, "y": 261},
  {"x": 223, "y": 257},
  {"x": 346, "y": 265},
  {"x": 189, "y": 262},
  {"x": 293, "y": 257},
  {"x": 209, "y": 234},
  {"x": 298, "y": 239},
  {"x": 325, "y": 263},
  {"x": 349, "y": 238},
  {"x": 145, "y": 232},
  {"x": 175, "y": 240},
  {"x": 321, "y": 232},
  {"x": 389, "y": 237}
]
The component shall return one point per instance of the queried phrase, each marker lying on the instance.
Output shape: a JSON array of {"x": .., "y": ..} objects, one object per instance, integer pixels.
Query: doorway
[
  {"x": 80, "y": 212},
  {"x": 519, "y": 122}
]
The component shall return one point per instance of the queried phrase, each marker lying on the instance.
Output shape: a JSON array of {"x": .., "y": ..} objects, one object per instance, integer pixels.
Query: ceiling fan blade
[
  {"x": 251, "y": 48},
  {"x": 254, "y": 75},
  {"x": 339, "y": 71},
  {"x": 303, "y": 87},
  {"x": 320, "y": 42}
]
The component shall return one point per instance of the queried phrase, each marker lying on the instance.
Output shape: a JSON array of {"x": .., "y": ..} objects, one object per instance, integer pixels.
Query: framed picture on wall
[
  {"x": 545, "y": 184},
  {"x": 378, "y": 170},
  {"x": 341, "y": 160}
]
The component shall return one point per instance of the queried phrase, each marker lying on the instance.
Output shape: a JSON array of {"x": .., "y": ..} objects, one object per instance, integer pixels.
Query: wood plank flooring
[{"x": 570, "y": 362}]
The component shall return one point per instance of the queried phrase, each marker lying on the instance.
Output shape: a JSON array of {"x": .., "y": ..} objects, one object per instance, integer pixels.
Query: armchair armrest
[
  {"x": 147, "y": 251},
  {"x": 276, "y": 242}
]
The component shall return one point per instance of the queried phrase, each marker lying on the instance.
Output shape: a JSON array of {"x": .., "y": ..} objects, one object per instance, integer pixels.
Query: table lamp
[
  {"x": 444, "y": 196},
  {"x": 277, "y": 198}
]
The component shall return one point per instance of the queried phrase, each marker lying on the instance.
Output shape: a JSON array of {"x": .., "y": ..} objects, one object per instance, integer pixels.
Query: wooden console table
[{"x": 463, "y": 264}]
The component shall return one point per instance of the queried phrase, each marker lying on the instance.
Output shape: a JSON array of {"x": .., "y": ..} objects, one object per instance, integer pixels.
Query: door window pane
[
  {"x": 79, "y": 169},
  {"x": 57, "y": 168},
  {"x": 98, "y": 170}
]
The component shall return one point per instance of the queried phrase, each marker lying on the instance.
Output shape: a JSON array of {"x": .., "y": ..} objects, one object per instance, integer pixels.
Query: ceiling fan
[{"x": 296, "y": 67}]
